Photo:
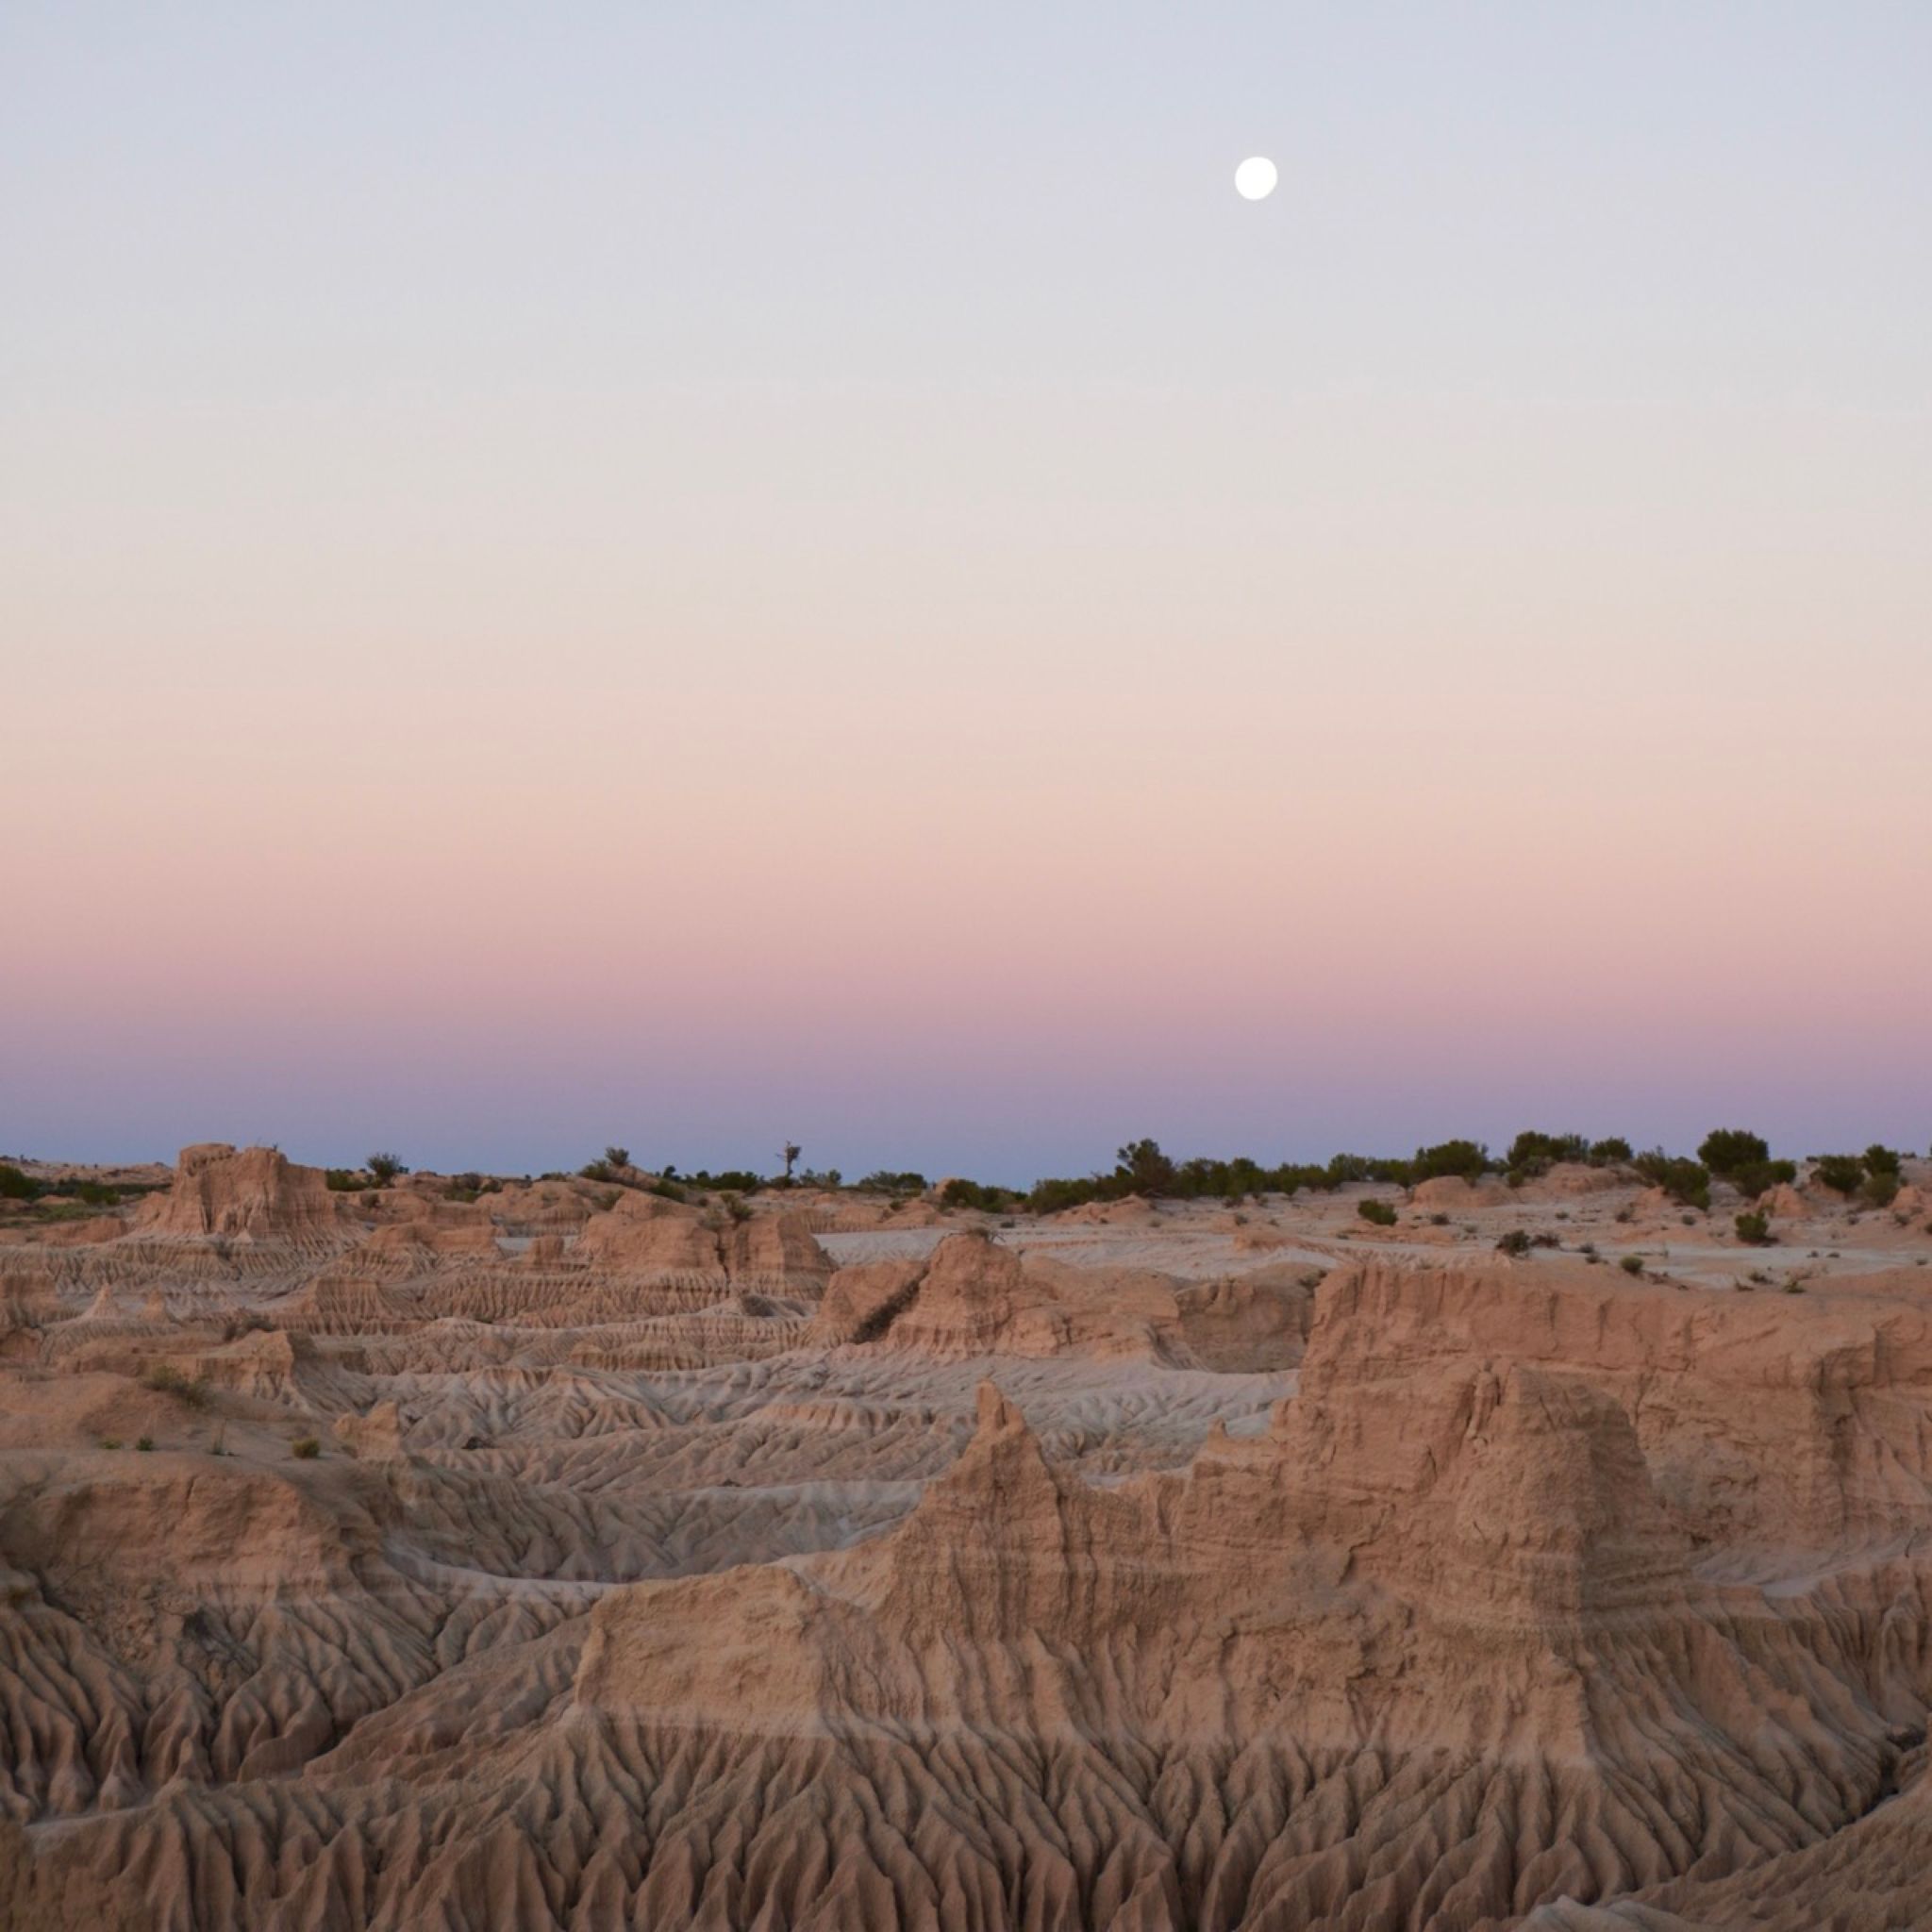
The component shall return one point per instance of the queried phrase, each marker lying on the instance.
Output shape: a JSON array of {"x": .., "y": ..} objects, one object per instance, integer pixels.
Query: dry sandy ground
[{"x": 576, "y": 1558}]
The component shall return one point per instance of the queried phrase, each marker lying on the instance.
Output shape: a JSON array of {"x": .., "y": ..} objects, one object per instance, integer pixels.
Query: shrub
[
  {"x": 1724, "y": 1150},
  {"x": 965, "y": 1193},
  {"x": 1840, "y": 1172},
  {"x": 1757, "y": 1177},
  {"x": 1684, "y": 1181},
  {"x": 617, "y": 1156},
  {"x": 144, "y": 1444},
  {"x": 1380, "y": 1213},
  {"x": 344, "y": 1180},
  {"x": 304, "y": 1448},
  {"x": 1467, "y": 1158},
  {"x": 1605, "y": 1153},
  {"x": 1631, "y": 1264},
  {"x": 1516, "y": 1241},
  {"x": 385, "y": 1168},
  {"x": 883, "y": 1181},
  {"x": 110, "y": 1442},
  {"x": 1880, "y": 1189},
  {"x": 165, "y": 1378},
  {"x": 595, "y": 1170},
  {"x": 1880, "y": 1159},
  {"x": 15, "y": 1186},
  {"x": 1754, "y": 1230},
  {"x": 1532, "y": 1153}
]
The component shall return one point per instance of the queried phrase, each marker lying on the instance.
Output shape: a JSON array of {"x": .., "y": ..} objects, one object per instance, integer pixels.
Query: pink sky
[{"x": 686, "y": 585}]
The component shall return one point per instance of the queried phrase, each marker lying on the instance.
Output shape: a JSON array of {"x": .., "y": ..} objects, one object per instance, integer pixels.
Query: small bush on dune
[
  {"x": 1687, "y": 1182},
  {"x": 1844, "y": 1174},
  {"x": 385, "y": 1168},
  {"x": 1466, "y": 1159},
  {"x": 304, "y": 1448},
  {"x": 144, "y": 1444},
  {"x": 1727, "y": 1149},
  {"x": 1880, "y": 1189},
  {"x": 15, "y": 1186},
  {"x": 1757, "y": 1177},
  {"x": 1754, "y": 1230},
  {"x": 1631, "y": 1264},
  {"x": 965, "y": 1193},
  {"x": 1380, "y": 1213},
  {"x": 1880, "y": 1159}
]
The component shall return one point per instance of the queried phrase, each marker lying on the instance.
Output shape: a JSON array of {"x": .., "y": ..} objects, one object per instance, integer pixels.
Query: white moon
[{"x": 1255, "y": 179}]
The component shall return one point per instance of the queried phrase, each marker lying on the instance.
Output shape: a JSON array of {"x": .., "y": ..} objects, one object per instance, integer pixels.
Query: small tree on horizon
[
  {"x": 385, "y": 1168},
  {"x": 792, "y": 1150}
]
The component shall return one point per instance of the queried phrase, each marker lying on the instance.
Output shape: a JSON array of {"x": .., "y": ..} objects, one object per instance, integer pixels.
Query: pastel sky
[{"x": 691, "y": 574}]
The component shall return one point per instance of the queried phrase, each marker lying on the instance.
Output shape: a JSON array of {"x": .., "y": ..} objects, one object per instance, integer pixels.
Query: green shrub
[
  {"x": 304, "y": 1448},
  {"x": 385, "y": 1168},
  {"x": 1380, "y": 1213},
  {"x": 1516, "y": 1241},
  {"x": 1880, "y": 1159},
  {"x": 1727, "y": 1149},
  {"x": 1754, "y": 1230},
  {"x": 15, "y": 1186},
  {"x": 344, "y": 1181},
  {"x": 1841, "y": 1173},
  {"x": 110, "y": 1442},
  {"x": 1631, "y": 1264},
  {"x": 1532, "y": 1153},
  {"x": 1880, "y": 1189},
  {"x": 884, "y": 1181},
  {"x": 1757, "y": 1177},
  {"x": 965, "y": 1193},
  {"x": 1470, "y": 1160},
  {"x": 144, "y": 1444},
  {"x": 1606, "y": 1153},
  {"x": 1685, "y": 1181}
]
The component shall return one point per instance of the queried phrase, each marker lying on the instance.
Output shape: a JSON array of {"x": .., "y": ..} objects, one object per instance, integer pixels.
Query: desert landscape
[{"x": 1543, "y": 1548}]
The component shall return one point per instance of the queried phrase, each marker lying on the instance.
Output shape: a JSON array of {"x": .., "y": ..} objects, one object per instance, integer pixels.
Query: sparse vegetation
[
  {"x": 1754, "y": 1230},
  {"x": 1687, "y": 1182},
  {"x": 1844, "y": 1174},
  {"x": 1631, "y": 1264},
  {"x": 1465, "y": 1159},
  {"x": 144, "y": 1444},
  {"x": 385, "y": 1168},
  {"x": 1379, "y": 1212},
  {"x": 14, "y": 1185},
  {"x": 1881, "y": 1188},
  {"x": 165, "y": 1378},
  {"x": 304, "y": 1448},
  {"x": 883, "y": 1181},
  {"x": 965, "y": 1193}
]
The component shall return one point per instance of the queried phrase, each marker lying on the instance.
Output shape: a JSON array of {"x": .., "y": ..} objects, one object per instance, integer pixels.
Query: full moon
[{"x": 1255, "y": 179}]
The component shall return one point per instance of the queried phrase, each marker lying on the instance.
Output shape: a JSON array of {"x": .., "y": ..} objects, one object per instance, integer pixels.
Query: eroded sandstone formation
[{"x": 577, "y": 1557}]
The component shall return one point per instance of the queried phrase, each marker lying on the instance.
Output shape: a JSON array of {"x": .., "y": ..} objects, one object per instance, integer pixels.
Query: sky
[{"x": 698, "y": 575}]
